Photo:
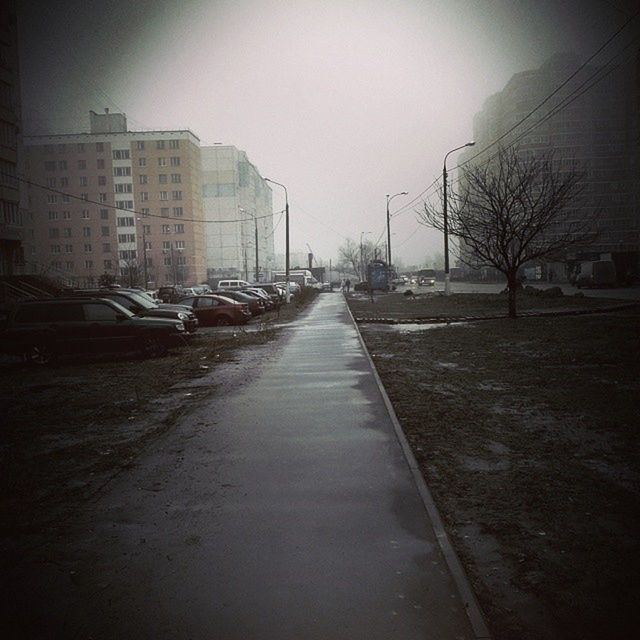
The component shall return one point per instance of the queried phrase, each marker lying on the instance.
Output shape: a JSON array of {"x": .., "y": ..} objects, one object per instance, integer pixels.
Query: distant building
[
  {"x": 598, "y": 133},
  {"x": 115, "y": 203},
  {"x": 11, "y": 215},
  {"x": 237, "y": 206}
]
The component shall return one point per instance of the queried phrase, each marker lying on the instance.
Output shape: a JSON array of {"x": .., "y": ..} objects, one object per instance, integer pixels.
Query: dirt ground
[{"x": 527, "y": 434}]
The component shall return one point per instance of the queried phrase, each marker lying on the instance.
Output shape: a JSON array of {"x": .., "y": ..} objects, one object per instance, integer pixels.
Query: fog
[{"x": 343, "y": 102}]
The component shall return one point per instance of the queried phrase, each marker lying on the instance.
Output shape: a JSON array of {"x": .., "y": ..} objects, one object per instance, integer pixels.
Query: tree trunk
[{"x": 512, "y": 284}]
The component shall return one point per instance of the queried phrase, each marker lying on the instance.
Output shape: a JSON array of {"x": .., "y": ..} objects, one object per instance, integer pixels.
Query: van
[
  {"x": 601, "y": 273},
  {"x": 233, "y": 284}
]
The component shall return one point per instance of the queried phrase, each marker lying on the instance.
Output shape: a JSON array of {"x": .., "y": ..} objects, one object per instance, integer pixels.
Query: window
[
  {"x": 162, "y": 178},
  {"x": 166, "y": 228},
  {"x": 106, "y": 248},
  {"x": 100, "y": 163},
  {"x": 179, "y": 244},
  {"x": 159, "y": 144},
  {"x": 179, "y": 228},
  {"x": 126, "y": 187},
  {"x": 167, "y": 261},
  {"x": 124, "y": 204},
  {"x": 142, "y": 162},
  {"x": 50, "y": 165},
  {"x": 104, "y": 214},
  {"x": 51, "y": 182},
  {"x": 96, "y": 311},
  {"x": 68, "y": 248},
  {"x": 53, "y": 215},
  {"x": 64, "y": 182},
  {"x": 166, "y": 244},
  {"x": 177, "y": 212},
  {"x": 176, "y": 178},
  {"x": 146, "y": 229},
  {"x": 82, "y": 164},
  {"x": 121, "y": 154},
  {"x": 144, "y": 211},
  {"x": 48, "y": 148},
  {"x": 181, "y": 260},
  {"x": 62, "y": 165},
  {"x": 88, "y": 248},
  {"x": 175, "y": 161},
  {"x": 127, "y": 254},
  {"x": 80, "y": 147},
  {"x": 52, "y": 198},
  {"x": 164, "y": 195},
  {"x": 84, "y": 196},
  {"x": 126, "y": 237},
  {"x": 83, "y": 181},
  {"x": 102, "y": 197},
  {"x": 54, "y": 233},
  {"x": 144, "y": 196},
  {"x": 88, "y": 264},
  {"x": 121, "y": 171},
  {"x": 86, "y": 232},
  {"x": 176, "y": 195},
  {"x": 85, "y": 214},
  {"x": 66, "y": 215},
  {"x": 69, "y": 265},
  {"x": 55, "y": 248},
  {"x": 99, "y": 147},
  {"x": 125, "y": 221},
  {"x": 143, "y": 178},
  {"x": 140, "y": 145},
  {"x": 66, "y": 232},
  {"x": 174, "y": 144},
  {"x": 107, "y": 265},
  {"x": 105, "y": 231},
  {"x": 162, "y": 162},
  {"x": 102, "y": 180},
  {"x": 65, "y": 198},
  {"x": 164, "y": 212},
  {"x": 62, "y": 148}
]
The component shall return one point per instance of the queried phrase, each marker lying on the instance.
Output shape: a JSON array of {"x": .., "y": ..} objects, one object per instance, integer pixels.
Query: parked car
[
  {"x": 276, "y": 293},
  {"x": 41, "y": 330},
  {"x": 171, "y": 293},
  {"x": 137, "y": 302},
  {"x": 211, "y": 309},
  {"x": 600, "y": 273},
  {"x": 256, "y": 305},
  {"x": 233, "y": 284},
  {"x": 262, "y": 295}
]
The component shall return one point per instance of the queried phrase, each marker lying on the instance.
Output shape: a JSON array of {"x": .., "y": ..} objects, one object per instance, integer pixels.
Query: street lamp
[
  {"x": 389, "y": 199},
  {"x": 362, "y": 233},
  {"x": 447, "y": 285},
  {"x": 286, "y": 221}
]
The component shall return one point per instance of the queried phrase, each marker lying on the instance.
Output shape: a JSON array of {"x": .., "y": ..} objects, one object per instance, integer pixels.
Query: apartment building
[
  {"x": 238, "y": 210},
  {"x": 10, "y": 124},
  {"x": 115, "y": 204},
  {"x": 595, "y": 130}
]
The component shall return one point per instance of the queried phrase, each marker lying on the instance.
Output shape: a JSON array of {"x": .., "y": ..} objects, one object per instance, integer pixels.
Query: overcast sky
[{"x": 343, "y": 101}]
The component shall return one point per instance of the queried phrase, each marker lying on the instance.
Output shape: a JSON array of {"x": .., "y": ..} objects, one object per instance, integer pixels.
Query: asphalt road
[{"x": 282, "y": 508}]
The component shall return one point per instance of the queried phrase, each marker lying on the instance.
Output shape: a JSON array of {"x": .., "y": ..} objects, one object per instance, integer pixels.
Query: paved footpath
[{"x": 290, "y": 513}]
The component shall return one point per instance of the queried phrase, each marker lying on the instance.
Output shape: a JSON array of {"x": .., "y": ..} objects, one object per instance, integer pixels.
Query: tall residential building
[
  {"x": 596, "y": 130},
  {"x": 237, "y": 208},
  {"x": 10, "y": 123},
  {"x": 115, "y": 203}
]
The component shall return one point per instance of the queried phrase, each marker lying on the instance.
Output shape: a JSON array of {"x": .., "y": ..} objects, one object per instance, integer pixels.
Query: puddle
[{"x": 411, "y": 327}]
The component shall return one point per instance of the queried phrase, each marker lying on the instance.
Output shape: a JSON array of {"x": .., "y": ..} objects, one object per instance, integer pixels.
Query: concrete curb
[
  {"x": 471, "y": 605},
  {"x": 524, "y": 314}
]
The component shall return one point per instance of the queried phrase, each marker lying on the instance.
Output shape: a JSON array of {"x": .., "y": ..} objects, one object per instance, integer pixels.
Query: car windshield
[{"x": 141, "y": 300}]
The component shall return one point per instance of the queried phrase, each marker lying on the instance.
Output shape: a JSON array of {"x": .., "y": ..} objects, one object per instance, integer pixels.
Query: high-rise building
[
  {"x": 594, "y": 129},
  {"x": 10, "y": 123},
  {"x": 238, "y": 210},
  {"x": 114, "y": 203}
]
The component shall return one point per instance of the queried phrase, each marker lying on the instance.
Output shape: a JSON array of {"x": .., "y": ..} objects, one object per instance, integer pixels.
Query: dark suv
[
  {"x": 40, "y": 330},
  {"x": 142, "y": 306}
]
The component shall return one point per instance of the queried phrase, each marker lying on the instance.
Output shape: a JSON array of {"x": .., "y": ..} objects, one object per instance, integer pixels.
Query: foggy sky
[{"x": 342, "y": 101}]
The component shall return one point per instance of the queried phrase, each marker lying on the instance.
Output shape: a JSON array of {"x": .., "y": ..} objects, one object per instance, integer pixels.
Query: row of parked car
[{"x": 120, "y": 319}]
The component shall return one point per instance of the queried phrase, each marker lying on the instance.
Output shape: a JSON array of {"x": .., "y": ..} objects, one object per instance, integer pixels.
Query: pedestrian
[{"x": 347, "y": 285}]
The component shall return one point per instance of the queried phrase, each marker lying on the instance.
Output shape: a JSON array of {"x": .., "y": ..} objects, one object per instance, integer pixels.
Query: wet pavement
[{"x": 283, "y": 509}]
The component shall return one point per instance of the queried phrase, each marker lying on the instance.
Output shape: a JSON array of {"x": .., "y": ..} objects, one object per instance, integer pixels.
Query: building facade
[
  {"x": 595, "y": 131},
  {"x": 238, "y": 210},
  {"x": 114, "y": 204},
  {"x": 11, "y": 215}
]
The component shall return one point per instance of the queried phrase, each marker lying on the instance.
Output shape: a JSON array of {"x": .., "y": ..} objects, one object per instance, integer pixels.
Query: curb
[
  {"x": 524, "y": 314},
  {"x": 467, "y": 596}
]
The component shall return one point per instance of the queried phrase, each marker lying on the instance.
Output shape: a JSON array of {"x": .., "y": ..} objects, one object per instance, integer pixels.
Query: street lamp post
[
  {"x": 255, "y": 223},
  {"x": 286, "y": 221},
  {"x": 445, "y": 221},
  {"x": 144, "y": 254},
  {"x": 389, "y": 199},
  {"x": 362, "y": 233}
]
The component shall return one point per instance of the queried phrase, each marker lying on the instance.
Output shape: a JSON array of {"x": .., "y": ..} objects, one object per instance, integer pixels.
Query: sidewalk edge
[{"x": 468, "y": 597}]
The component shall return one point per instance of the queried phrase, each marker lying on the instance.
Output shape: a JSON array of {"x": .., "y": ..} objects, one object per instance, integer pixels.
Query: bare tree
[
  {"x": 354, "y": 257},
  {"x": 512, "y": 211}
]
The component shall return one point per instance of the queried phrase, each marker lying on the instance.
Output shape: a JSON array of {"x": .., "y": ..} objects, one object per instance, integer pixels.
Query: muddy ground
[{"x": 527, "y": 434}]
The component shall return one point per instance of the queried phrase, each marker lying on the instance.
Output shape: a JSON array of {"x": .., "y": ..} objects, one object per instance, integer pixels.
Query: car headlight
[
  {"x": 180, "y": 326},
  {"x": 182, "y": 316}
]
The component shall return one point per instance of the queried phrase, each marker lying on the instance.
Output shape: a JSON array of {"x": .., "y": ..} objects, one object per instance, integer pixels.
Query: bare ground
[{"x": 527, "y": 434}]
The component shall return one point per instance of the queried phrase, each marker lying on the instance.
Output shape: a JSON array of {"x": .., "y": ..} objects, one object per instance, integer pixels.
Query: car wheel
[
  {"x": 40, "y": 353},
  {"x": 224, "y": 321},
  {"x": 152, "y": 347}
]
